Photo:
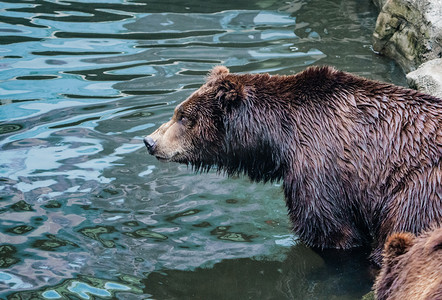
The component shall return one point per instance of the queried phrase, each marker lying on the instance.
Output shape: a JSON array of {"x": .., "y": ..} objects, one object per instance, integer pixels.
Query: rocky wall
[{"x": 410, "y": 31}]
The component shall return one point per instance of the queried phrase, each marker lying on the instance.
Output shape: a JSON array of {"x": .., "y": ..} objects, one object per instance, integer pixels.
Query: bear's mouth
[
  {"x": 162, "y": 158},
  {"x": 174, "y": 158}
]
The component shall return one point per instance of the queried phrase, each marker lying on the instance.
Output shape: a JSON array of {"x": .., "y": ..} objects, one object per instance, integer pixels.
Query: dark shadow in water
[{"x": 304, "y": 274}]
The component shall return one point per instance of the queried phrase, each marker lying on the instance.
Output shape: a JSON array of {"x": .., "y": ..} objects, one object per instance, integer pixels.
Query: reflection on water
[
  {"x": 303, "y": 274},
  {"x": 84, "y": 287},
  {"x": 85, "y": 212}
]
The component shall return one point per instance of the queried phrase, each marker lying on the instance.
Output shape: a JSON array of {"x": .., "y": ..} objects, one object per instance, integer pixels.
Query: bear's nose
[{"x": 150, "y": 143}]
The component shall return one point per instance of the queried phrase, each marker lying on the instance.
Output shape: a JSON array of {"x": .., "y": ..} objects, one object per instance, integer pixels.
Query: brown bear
[
  {"x": 412, "y": 267},
  {"x": 359, "y": 159}
]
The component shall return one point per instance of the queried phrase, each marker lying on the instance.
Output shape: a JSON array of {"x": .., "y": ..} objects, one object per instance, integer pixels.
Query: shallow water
[{"x": 85, "y": 213}]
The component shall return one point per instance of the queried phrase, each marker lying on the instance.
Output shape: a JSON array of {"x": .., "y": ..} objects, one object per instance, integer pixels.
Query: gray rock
[
  {"x": 409, "y": 31},
  {"x": 427, "y": 78}
]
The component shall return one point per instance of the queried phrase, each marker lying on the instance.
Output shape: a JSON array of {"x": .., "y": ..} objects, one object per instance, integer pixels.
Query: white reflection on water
[{"x": 13, "y": 282}]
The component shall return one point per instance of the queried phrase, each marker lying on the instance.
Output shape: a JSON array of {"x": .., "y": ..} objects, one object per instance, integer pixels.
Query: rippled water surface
[{"x": 85, "y": 213}]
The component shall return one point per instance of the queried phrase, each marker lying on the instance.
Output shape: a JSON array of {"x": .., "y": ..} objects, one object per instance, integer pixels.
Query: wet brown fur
[
  {"x": 359, "y": 159},
  {"x": 412, "y": 267}
]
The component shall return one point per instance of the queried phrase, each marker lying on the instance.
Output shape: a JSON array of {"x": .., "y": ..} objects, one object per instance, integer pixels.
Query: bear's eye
[{"x": 182, "y": 119}]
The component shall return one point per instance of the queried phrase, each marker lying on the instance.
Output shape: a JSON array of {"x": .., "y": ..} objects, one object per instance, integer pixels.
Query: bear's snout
[{"x": 150, "y": 144}]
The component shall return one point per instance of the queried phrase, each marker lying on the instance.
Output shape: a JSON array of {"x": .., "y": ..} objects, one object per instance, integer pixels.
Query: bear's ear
[
  {"x": 229, "y": 93},
  {"x": 434, "y": 242},
  {"x": 217, "y": 72},
  {"x": 397, "y": 244}
]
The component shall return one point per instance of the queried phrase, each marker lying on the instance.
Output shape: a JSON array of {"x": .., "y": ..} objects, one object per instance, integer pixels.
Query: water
[{"x": 85, "y": 213}]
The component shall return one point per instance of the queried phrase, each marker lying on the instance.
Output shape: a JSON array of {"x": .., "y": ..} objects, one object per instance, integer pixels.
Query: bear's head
[
  {"x": 411, "y": 267},
  {"x": 221, "y": 124}
]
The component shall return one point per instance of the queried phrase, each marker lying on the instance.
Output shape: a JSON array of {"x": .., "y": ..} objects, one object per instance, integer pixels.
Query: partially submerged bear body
[
  {"x": 411, "y": 268},
  {"x": 359, "y": 159}
]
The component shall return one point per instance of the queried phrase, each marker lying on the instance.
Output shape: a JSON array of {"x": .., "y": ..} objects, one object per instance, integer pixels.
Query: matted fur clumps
[
  {"x": 412, "y": 267},
  {"x": 359, "y": 159}
]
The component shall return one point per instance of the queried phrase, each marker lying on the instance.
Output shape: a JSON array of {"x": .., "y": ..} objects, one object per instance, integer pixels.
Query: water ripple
[{"x": 84, "y": 211}]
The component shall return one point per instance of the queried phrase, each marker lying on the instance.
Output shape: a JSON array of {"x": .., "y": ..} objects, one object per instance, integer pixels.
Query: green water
[{"x": 86, "y": 213}]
